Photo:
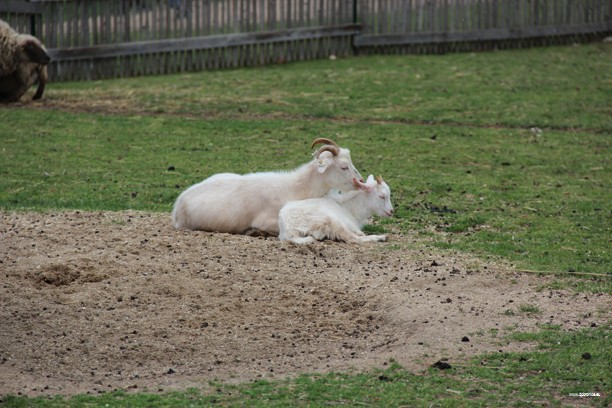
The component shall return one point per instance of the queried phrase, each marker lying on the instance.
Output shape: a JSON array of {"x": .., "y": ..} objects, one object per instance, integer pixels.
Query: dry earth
[{"x": 93, "y": 302}]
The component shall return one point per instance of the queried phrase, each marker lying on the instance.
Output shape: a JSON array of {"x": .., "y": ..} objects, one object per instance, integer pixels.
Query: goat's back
[{"x": 234, "y": 203}]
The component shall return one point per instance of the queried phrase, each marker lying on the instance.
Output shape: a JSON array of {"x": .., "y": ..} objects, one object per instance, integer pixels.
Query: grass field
[{"x": 505, "y": 155}]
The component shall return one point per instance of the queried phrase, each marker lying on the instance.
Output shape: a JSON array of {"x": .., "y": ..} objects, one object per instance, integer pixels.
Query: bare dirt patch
[{"x": 93, "y": 302}]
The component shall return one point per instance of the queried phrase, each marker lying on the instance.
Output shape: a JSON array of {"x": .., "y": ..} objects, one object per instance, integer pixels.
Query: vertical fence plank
[
  {"x": 462, "y": 15},
  {"x": 67, "y": 24},
  {"x": 84, "y": 31}
]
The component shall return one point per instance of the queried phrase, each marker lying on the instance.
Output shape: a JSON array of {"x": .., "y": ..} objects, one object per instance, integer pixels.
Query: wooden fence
[
  {"x": 91, "y": 39},
  {"x": 436, "y": 25}
]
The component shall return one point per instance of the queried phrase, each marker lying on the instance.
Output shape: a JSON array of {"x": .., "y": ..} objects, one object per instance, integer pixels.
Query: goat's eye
[
  {"x": 382, "y": 197},
  {"x": 344, "y": 168}
]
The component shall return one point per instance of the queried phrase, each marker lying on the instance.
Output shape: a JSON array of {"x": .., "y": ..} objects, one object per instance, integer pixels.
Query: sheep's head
[
  {"x": 32, "y": 50},
  {"x": 379, "y": 195},
  {"x": 335, "y": 161}
]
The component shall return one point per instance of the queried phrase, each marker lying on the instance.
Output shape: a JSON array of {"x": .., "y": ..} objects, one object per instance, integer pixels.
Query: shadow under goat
[
  {"x": 23, "y": 61},
  {"x": 336, "y": 216}
]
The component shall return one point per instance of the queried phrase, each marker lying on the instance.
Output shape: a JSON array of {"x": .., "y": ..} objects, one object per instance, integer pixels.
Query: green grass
[
  {"x": 557, "y": 87},
  {"x": 504, "y": 155},
  {"x": 529, "y": 309},
  {"x": 559, "y": 367}
]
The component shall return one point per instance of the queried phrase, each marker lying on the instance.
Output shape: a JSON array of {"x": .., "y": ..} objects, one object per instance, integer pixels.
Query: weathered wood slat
[
  {"x": 479, "y": 35},
  {"x": 19, "y": 6},
  {"x": 199, "y": 43}
]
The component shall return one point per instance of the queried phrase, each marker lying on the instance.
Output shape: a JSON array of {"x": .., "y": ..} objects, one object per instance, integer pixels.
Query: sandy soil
[{"x": 93, "y": 302}]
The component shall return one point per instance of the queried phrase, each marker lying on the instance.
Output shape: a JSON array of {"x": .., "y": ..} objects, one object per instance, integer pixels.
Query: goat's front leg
[{"x": 372, "y": 238}]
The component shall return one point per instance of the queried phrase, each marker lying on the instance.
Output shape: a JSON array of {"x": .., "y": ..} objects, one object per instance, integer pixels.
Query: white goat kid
[
  {"x": 246, "y": 204},
  {"x": 337, "y": 216}
]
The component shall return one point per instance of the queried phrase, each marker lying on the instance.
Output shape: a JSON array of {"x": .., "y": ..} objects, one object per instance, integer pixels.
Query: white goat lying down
[
  {"x": 244, "y": 204},
  {"x": 336, "y": 216}
]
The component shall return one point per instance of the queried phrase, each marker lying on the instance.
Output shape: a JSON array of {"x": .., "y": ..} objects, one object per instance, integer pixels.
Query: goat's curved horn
[
  {"x": 379, "y": 179},
  {"x": 327, "y": 148},
  {"x": 323, "y": 140},
  {"x": 330, "y": 146}
]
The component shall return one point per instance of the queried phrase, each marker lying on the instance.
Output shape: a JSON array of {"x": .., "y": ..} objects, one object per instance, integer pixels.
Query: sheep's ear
[{"x": 36, "y": 53}]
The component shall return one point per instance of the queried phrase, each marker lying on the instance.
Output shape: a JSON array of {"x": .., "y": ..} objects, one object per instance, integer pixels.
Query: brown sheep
[{"x": 23, "y": 61}]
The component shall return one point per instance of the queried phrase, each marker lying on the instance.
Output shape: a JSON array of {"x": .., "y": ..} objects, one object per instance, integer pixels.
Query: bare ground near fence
[{"x": 124, "y": 104}]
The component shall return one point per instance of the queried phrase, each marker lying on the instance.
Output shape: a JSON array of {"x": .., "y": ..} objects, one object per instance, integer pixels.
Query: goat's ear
[
  {"x": 361, "y": 185},
  {"x": 36, "y": 53},
  {"x": 322, "y": 165}
]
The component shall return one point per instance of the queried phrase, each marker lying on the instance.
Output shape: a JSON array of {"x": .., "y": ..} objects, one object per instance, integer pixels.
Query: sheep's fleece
[{"x": 23, "y": 61}]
